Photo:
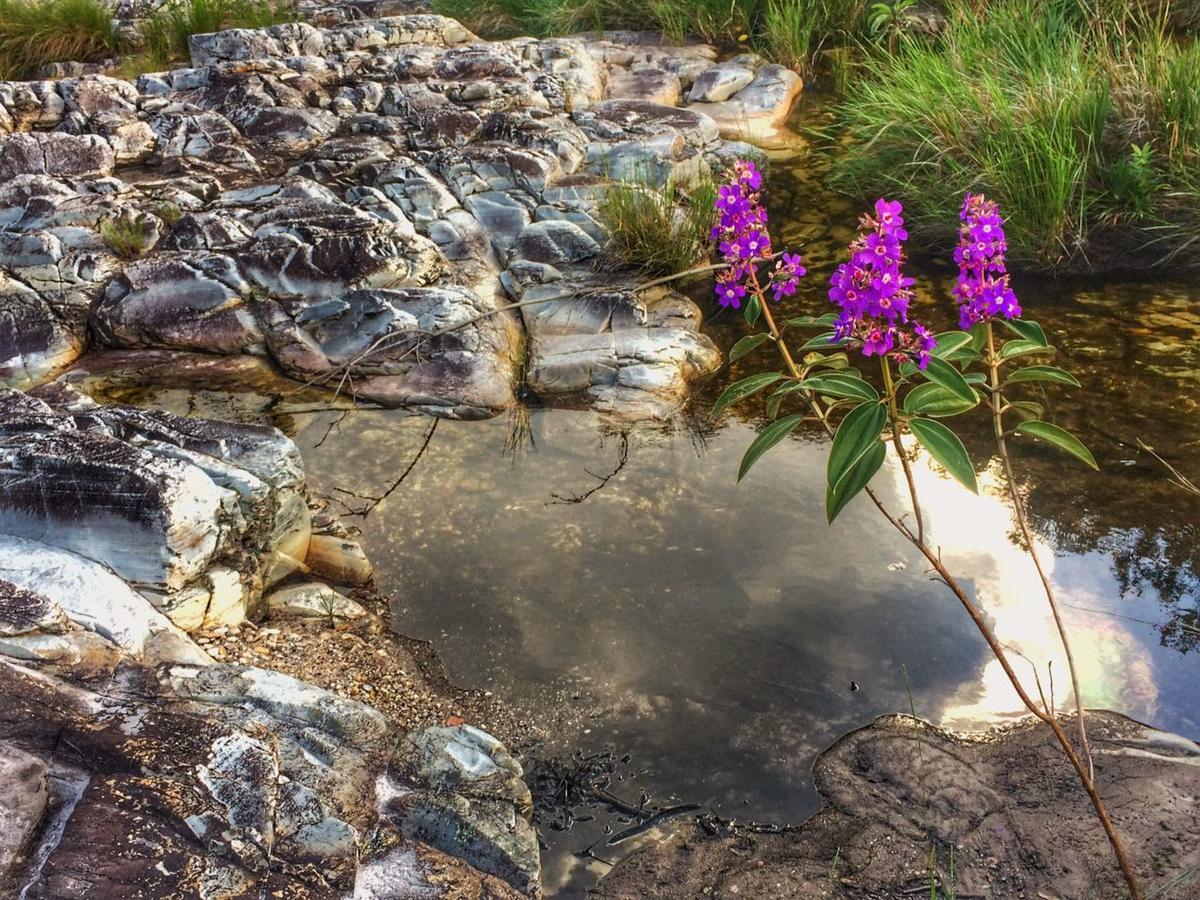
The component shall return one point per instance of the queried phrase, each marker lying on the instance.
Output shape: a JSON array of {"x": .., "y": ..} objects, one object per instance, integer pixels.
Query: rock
[
  {"x": 22, "y": 810},
  {"x": 338, "y": 560},
  {"x": 758, "y": 113},
  {"x": 94, "y": 599},
  {"x": 720, "y": 83},
  {"x": 1007, "y": 802},
  {"x": 459, "y": 791},
  {"x": 313, "y": 600},
  {"x": 646, "y": 81},
  {"x": 198, "y": 514},
  {"x": 223, "y": 778},
  {"x": 54, "y": 153}
]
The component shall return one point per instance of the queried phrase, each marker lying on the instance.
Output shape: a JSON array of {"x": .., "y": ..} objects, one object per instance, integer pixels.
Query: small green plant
[
  {"x": 127, "y": 235},
  {"x": 658, "y": 230},
  {"x": 165, "y": 34},
  {"x": 36, "y": 32},
  {"x": 169, "y": 212},
  {"x": 887, "y": 18}
]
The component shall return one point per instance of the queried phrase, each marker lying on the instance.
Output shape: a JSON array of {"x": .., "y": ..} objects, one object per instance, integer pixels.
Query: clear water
[{"x": 723, "y": 634}]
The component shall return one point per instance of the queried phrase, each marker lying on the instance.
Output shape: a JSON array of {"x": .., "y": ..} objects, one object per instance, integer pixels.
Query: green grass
[
  {"x": 658, "y": 230},
  {"x": 127, "y": 236},
  {"x": 1081, "y": 117},
  {"x": 34, "y": 33},
  {"x": 166, "y": 32}
]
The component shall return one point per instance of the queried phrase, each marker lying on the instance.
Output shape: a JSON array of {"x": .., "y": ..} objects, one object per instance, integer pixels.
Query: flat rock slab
[{"x": 1007, "y": 803}]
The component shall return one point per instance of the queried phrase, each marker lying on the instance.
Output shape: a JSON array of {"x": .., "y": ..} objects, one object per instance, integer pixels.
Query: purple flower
[
  {"x": 873, "y": 292},
  {"x": 741, "y": 236},
  {"x": 730, "y": 293},
  {"x": 983, "y": 290}
]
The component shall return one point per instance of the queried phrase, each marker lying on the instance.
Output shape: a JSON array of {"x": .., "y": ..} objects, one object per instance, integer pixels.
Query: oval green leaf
[
  {"x": 950, "y": 341},
  {"x": 1043, "y": 373},
  {"x": 941, "y": 372},
  {"x": 934, "y": 400},
  {"x": 1013, "y": 349},
  {"x": 813, "y": 321},
  {"x": 856, "y": 480},
  {"x": 1026, "y": 409},
  {"x": 768, "y": 438},
  {"x": 944, "y": 446},
  {"x": 1060, "y": 438},
  {"x": 748, "y": 344},
  {"x": 740, "y": 390},
  {"x": 824, "y": 341},
  {"x": 856, "y": 435},
  {"x": 1028, "y": 330},
  {"x": 753, "y": 310},
  {"x": 844, "y": 387}
]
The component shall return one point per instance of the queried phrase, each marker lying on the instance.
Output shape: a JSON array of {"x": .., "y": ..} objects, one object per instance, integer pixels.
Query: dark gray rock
[{"x": 54, "y": 153}]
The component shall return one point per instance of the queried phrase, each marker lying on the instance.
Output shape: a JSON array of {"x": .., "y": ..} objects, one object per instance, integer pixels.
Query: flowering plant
[{"x": 925, "y": 379}]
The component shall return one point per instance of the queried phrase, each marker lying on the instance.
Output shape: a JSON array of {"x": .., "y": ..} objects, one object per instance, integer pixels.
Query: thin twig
[{"x": 366, "y": 510}]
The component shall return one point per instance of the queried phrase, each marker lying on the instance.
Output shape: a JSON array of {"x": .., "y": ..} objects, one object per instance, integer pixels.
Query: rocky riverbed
[{"x": 202, "y": 693}]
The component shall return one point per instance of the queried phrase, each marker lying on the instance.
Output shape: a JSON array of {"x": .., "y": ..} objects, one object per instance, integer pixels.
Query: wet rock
[
  {"x": 1007, "y": 802},
  {"x": 459, "y": 791},
  {"x": 313, "y": 600},
  {"x": 339, "y": 560},
  {"x": 758, "y": 112}
]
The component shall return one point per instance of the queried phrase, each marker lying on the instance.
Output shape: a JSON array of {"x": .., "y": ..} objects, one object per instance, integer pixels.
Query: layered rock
[
  {"x": 422, "y": 166},
  {"x": 197, "y": 515},
  {"x": 230, "y": 782}
]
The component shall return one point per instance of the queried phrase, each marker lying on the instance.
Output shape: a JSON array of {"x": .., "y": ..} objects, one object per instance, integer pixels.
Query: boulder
[
  {"x": 313, "y": 601},
  {"x": 56, "y": 154}
]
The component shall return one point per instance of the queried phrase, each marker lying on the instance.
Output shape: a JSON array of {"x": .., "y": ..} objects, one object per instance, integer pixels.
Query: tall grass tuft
[
  {"x": 36, "y": 32},
  {"x": 1081, "y": 117},
  {"x": 166, "y": 32},
  {"x": 658, "y": 230}
]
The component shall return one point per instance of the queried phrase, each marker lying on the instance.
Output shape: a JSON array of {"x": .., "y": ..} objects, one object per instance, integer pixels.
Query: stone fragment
[{"x": 313, "y": 600}]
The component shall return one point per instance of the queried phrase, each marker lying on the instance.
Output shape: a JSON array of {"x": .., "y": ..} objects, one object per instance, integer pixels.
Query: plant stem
[
  {"x": 933, "y": 557},
  {"x": 894, "y": 416},
  {"x": 997, "y": 405}
]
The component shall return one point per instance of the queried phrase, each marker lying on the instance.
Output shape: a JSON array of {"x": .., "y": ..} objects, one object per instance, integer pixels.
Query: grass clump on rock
[
  {"x": 1082, "y": 117},
  {"x": 36, "y": 32},
  {"x": 658, "y": 230}
]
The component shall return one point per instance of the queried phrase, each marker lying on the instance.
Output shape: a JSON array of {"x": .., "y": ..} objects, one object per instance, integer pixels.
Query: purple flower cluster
[
  {"x": 983, "y": 291},
  {"x": 874, "y": 293},
  {"x": 741, "y": 233}
]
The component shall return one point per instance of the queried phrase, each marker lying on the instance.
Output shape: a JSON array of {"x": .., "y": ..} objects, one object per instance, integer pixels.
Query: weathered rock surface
[
  {"x": 313, "y": 600},
  {"x": 223, "y": 782},
  {"x": 1008, "y": 806},
  {"x": 351, "y": 200},
  {"x": 198, "y": 515}
]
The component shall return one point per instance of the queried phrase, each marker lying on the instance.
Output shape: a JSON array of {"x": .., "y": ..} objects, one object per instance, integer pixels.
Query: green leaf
[
  {"x": 856, "y": 480},
  {"x": 835, "y": 384},
  {"x": 748, "y": 344},
  {"x": 773, "y": 404},
  {"x": 1028, "y": 330},
  {"x": 1060, "y": 438},
  {"x": 974, "y": 378},
  {"x": 941, "y": 372},
  {"x": 824, "y": 341},
  {"x": 963, "y": 357},
  {"x": 768, "y": 438},
  {"x": 978, "y": 336},
  {"x": 949, "y": 341},
  {"x": 935, "y": 400},
  {"x": 857, "y": 433},
  {"x": 944, "y": 446},
  {"x": 1043, "y": 373},
  {"x": 753, "y": 310},
  {"x": 812, "y": 321},
  {"x": 1013, "y": 349},
  {"x": 827, "y": 361},
  {"x": 740, "y": 390},
  {"x": 1026, "y": 409}
]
